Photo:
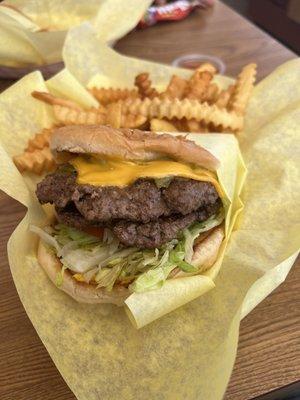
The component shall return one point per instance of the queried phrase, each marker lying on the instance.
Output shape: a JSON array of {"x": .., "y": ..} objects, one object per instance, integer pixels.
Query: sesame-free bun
[
  {"x": 128, "y": 144},
  {"x": 205, "y": 254}
]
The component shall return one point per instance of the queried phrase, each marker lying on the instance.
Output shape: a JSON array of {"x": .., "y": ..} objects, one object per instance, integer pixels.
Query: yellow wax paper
[
  {"x": 23, "y": 115},
  {"x": 188, "y": 353},
  {"x": 33, "y": 32},
  {"x": 178, "y": 291},
  {"x": 143, "y": 308},
  {"x": 95, "y": 64}
]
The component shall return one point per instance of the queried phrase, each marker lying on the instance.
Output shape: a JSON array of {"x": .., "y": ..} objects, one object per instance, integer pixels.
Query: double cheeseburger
[{"x": 131, "y": 210}]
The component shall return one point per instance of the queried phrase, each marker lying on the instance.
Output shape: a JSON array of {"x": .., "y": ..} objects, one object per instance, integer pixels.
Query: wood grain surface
[
  {"x": 219, "y": 32},
  {"x": 269, "y": 348}
]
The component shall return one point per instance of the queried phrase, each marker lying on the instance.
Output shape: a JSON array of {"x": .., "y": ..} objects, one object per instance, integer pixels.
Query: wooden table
[{"x": 269, "y": 350}]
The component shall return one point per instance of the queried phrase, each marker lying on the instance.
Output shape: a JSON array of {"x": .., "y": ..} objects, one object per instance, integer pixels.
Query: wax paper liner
[
  {"x": 140, "y": 306},
  {"x": 36, "y": 34},
  {"x": 188, "y": 353}
]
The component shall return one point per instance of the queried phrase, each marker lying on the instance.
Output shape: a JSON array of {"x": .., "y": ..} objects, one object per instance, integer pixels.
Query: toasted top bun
[
  {"x": 128, "y": 144},
  {"x": 205, "y": 254}
]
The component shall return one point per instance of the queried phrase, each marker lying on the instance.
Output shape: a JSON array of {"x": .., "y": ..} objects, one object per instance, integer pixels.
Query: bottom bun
[
  {"x": 205, "y": 255},
  {"x": 206, "y": 251},
  {"x": 80, "y": 291}
]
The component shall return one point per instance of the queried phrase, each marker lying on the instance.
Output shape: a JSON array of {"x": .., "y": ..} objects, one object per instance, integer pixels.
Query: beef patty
[
  {"x": 140, "y": 214},
  {"x": 155, "y": 233}
]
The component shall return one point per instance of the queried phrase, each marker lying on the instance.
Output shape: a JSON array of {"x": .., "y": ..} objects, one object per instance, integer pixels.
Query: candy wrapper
[
  {"x": 188, "y": 353},
  {"x": 33, "y": 32},
  {"x": 172, "y": 11}
]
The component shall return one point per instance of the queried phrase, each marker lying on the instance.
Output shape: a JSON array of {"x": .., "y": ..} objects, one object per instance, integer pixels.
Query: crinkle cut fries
[{"x": 194, "y": 105}]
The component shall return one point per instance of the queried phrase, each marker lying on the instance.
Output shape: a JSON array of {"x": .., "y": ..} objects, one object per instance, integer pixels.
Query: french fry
[
  {"x": 114, "y": 115},
  {"x": 69, "y": 116},
  {"x": 180, "y": 124},
  {"x": 69, "y": 113},
  {"x": 39, "y": 141},
  {"x": 161, "y": 125},
  {"x": 189, "y": 109},
  {"x": 111, "y": 95},
  {"x": 176, "y": 89},
  {"x": 243, "y": 88},
  {"x": 211, "y": 94},
  {"x": 196, "y": 105},
  {"x": 198, "y": 85},
  {"x": 225, "y": 96},
  {"x": 52, "y": 100},
  {"x": 196, "y": 126},
  {"x": 37, "y": 161},
  {"x": 116, "y": 119},
  {"x": 133, "y": 121},
  {"x": 207, "y": 67},
  {"x": 144, "y": 85}
]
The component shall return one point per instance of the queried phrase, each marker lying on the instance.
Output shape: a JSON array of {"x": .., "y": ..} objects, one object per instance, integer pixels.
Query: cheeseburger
[{"x": 131, "y": 210}]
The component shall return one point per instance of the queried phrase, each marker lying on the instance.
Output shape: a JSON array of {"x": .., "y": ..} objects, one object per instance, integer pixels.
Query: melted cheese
[{"x": 121, "y": 173}]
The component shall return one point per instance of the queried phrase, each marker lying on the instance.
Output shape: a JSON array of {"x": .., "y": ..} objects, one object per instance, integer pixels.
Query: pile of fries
[{"x": 196, "y": 105}]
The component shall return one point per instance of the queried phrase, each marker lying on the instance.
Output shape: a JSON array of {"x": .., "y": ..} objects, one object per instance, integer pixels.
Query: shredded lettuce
[
  {"x": 154, "y": 278},
  {"x": 81, "y": 260},
  {"x": 106, "y": 261},
  {"x": 65, "y": 234},
  {"x": 60, "y": 276},
  {"x": 45, "y": 236},
  {"x": 191, "y": 233},
  {"x": 89, "y": 275},
  {"x": 120, "y": 255},
  {"x": 106, "y": 277},
  {"x": 177, "y": 257}
]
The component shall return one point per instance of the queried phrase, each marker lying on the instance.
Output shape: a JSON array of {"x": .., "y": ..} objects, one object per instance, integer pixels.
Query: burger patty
[
  {"x": 142, "y": 201},
  {"x": 140, "y": 214},
  {"x": 187, "y": 195},
  {"x": 57, "y": 188},
  {"x": 152, "y": 234},
  {"x": 71, "y": 216},
  {"x": 155, "y": 233},
  {"x": 149, "y": 235}
]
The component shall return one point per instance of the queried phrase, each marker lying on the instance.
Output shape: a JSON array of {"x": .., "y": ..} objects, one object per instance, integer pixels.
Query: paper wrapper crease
[
  {"x": 33, "y": 32},
  {"x": 188, "y": 353}
]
